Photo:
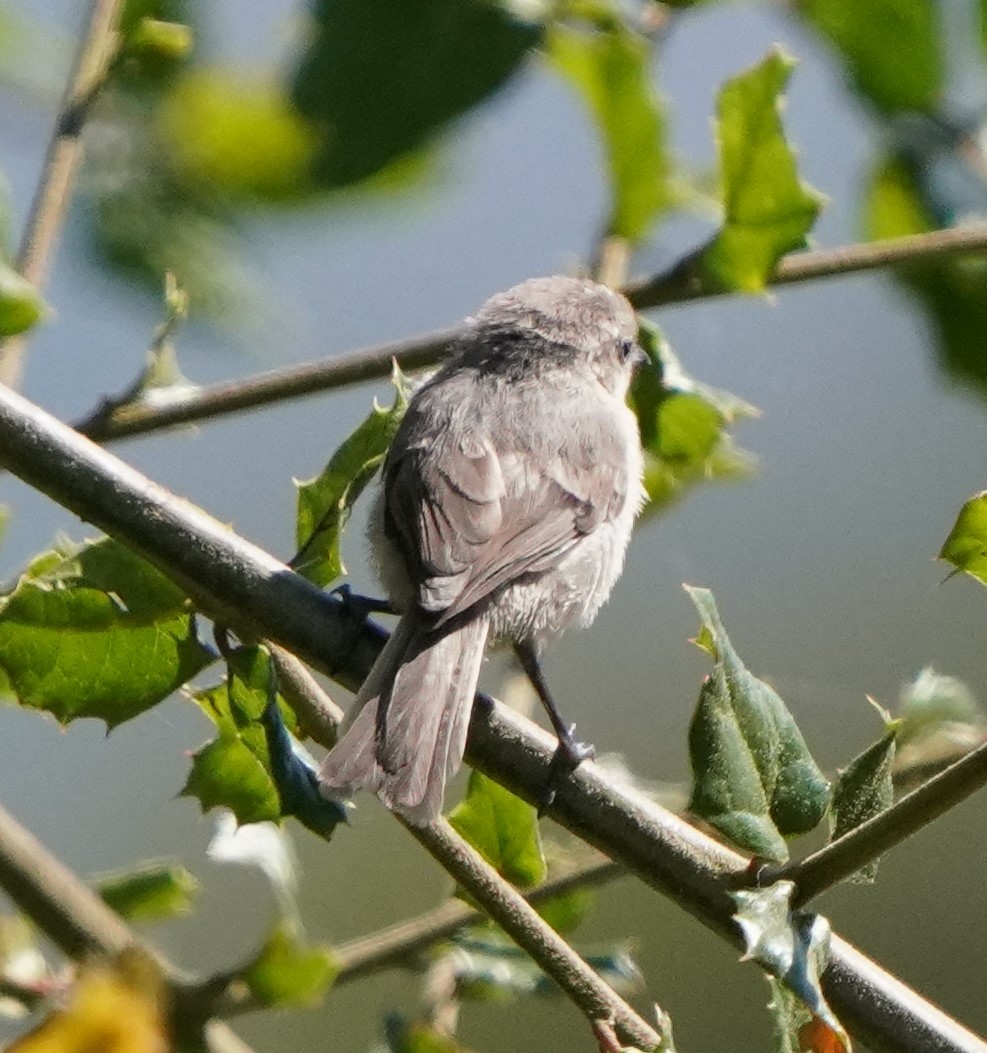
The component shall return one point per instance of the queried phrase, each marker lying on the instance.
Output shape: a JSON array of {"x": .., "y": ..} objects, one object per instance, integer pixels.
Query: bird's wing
[{"x": 469, "y": 521}]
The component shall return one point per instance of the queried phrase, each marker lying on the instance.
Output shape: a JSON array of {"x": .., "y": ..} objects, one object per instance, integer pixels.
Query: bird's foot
[
  {"x": 568, "y": 755},
  {"x": 361, "y": 607}
]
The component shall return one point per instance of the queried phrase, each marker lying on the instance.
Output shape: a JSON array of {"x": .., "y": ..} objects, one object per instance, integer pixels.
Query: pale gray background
[{"x": 823, "y": 566}]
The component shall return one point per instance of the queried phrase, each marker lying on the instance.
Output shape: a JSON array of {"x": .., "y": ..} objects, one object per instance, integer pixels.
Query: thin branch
[
  {"x": 399, "y": 944},
  {"x": 275, "y": 385},
  {"x": 684, "y": 282},
  {"x": 62, "y": 906},
  {"x": 75, "y": 919},
  {"x": 506, "y": 906},
  {"x": 503, "y": 903},
  {"x": 687, "y": 281},
  {"x": 244, "y": 586},
  {"x": 841, "y": 858},
  {"x": 61, "y": 163}
]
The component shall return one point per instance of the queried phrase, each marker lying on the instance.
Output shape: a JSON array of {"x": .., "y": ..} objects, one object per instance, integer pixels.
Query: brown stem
[
  {"x": 61, "y": 163},
  {"x": 683, "y": 283}
]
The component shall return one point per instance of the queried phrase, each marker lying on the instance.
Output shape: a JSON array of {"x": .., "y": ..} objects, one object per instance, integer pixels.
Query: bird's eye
[{"x": 626, "y": 349}]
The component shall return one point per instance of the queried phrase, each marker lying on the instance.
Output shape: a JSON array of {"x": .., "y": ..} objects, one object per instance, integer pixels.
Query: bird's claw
[{"x": 568, "y": 755}]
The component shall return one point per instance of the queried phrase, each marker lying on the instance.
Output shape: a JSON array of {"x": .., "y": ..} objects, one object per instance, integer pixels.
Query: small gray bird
[{"x": 505, "y": 508}]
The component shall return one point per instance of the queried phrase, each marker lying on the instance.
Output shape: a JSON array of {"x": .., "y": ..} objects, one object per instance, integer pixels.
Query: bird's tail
[{"x": 406, "y": 732}]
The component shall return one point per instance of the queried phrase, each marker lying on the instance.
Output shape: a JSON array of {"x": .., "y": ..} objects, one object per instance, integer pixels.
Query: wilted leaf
[
  {"x": 863, "y": 790},
  {"x": 494, "y": 968},
  {"x": 106, "y": 1012},
  {"x": 265, "y": 846},
  {"x": 97, "y": 632},
  {"x": 21, "y": 305},
  {"x": 502, "y": 828},
  {"x": 966, "y": 546},
  {"x": 159, "y": 890},
  {"x": 383, "y": 77},
  {"x": 684, "y": 426},
  {"x": 324, "y": 503},
  {"x": 288, "y": 972},
  {"x": 892, "y": 49},
  {"x": 794, "y": 947},
  {"x": 768, "y": 210},
  {"x": 608, "y": 64},
  {"x": 753, "y": 776},
  {"x": 21, "y": 963}
]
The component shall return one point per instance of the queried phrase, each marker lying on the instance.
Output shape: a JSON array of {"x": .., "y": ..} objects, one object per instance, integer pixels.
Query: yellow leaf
[{"x": 105, "y": 1013}]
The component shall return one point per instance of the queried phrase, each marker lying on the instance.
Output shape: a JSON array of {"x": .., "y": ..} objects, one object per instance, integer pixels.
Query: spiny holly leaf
[
  {"x": 289, "y": 972},
  {"x": 768, "y": 210},
  {"x": 502, "y": 828},
  {"x": 95, "y": 631},
  {"x": 156, "y": 891},
  {"x": 966, "y": 546},
  {"x": 684, "y": 426},
  {"x": 893, "y": 51},
  {"x": 794, "y": 947},
  {"x": 753, "y": 776},
  {"x": 21, "y": 305},
  {"x": 865, "y": 788},
  {"x": 608, "y": 64},
  {"x": 234, "y": 770},
  {"x": 324, "y": 503},
  {"x": 384, "y": 77}
]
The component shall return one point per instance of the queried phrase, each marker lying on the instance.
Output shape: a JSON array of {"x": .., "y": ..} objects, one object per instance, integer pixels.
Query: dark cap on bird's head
[{"x": 574, "y": 313}]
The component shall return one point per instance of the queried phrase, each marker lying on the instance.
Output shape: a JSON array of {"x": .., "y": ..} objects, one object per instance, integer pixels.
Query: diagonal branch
[
  {"x": 503, "y": 903},
  {"x": 838, "y": 860},
  {"x": 244, "y": 586},
  {"x": 61, "y": 163},
  {"x": 684, "y": 282},
  {"x": 76, "y": 920},
  {"x": 398, "y": 944}
]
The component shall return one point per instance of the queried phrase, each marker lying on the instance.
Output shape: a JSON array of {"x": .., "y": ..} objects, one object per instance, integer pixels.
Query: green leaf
[
  {"x": 324, "y": 503},
  {"x": 502, "y": 828},
  {"x": 953, "y": 292},
  {"x": 97, "y": 632},
  {"x": 865, "y": 789},
  {"x": 417, "y": 1036},
  {"x": 684, "y": 427},
  {"x": 288, "y": 972},
  {"x": 794, "y": 947},
  {"x": 567, "y": 910},
  {"x": 225, "y": 773},
  {"x": 237, "y": 137},
  {"x": 893, "y": 49},
  {"x": 21, "y": 305},
  {"x": 234, "y": 770},
  {"x": 384, "y": 77},
  {"x": 608, "y": 64},
  {"x": 156, "y": 891},
  {"x": 966, "y": 546},
  {"x": 754, "y": 779},
  {"x": 768, "y": 210}
]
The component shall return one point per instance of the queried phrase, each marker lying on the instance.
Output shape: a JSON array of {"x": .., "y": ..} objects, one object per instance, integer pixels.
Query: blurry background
[{"x": 873, "y": 433}]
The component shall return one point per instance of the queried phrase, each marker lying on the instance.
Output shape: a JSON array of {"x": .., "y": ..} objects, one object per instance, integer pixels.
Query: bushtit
[{"x": 505, "y": 507}]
